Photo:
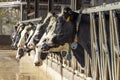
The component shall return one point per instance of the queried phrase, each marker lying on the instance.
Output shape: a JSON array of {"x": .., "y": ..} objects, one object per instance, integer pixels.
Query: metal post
[
  {"x": 0, "y": 27},
  {"x": 36, "y": 8},
  {"x": 21, "y": 12},
  {"x": 50, "y": 5},
  {"x": 72, "y": 4},
  {"x": 28, "y": 8}
]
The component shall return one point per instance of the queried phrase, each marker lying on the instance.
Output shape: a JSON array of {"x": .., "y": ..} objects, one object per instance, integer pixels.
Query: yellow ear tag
[{"x": 68, "y": 19}]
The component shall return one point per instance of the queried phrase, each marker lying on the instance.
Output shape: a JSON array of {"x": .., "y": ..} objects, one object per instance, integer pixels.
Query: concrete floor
[{"x": 10, "y": 69}]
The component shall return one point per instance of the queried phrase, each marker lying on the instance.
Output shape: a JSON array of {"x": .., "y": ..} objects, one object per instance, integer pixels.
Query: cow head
[
  {"x": 16, "y": 35},
  {"x": 41, "y": 28}
]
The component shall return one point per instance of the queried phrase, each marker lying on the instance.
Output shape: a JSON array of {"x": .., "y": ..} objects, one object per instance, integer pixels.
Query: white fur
[
  {"x": 48, "y": 38},
  {"x": 46, "y": 35},
  {"x": 30, "y": 34},
  {"x": 31, "y": 43},
  {"x": 22, "y": 40}
]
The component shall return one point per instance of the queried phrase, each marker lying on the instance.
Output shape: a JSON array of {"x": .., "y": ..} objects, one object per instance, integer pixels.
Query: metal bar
[
  {"x": 21, "y": 12},
  {"x": 111, "y": 44},
  {"x": 50, "y": 5},
  {"x": 36, "y": 8},
  {"x": 11, "y": 4},
  {"x": 100, "y": 43},
  {"x": 96, "y": 66},
  {"x": 32, "y": 20},
  {"x": 116, "y": 47},
  {"x": 28, "y": 8},
  {"x": 104, "y": 7},
  {"x": 105, "y": 52}
]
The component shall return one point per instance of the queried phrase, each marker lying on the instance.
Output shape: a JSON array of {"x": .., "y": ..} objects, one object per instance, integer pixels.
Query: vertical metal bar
[
  {"x": 106, "y": 60},
  {"x": 36, "y": 6},
  {"x": 72, "y": 4},
  {"x": 115, "y": 47},
  {"x": 28, "y": 8},
  {"x": 0, "y": 27},
  {"x": 87, "y": 64},
  {"x": 50, "y": 5},
  {"x": 92, "y": 40},
  {"x": 103, "y": 47},
  {"x": 95, "y": 52},
  {"x": 21, "y": 12},
  {"x": 111, "y": 44},
  {"x": 100, "y": 43},
  {"x": 75, "y": 5}
]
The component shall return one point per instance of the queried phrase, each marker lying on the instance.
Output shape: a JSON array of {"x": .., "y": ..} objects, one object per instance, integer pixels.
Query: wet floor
[{"x": 10, "y": 69}]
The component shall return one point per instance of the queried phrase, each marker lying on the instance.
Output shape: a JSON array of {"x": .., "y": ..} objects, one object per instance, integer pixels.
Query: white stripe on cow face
[
  {"x": 31, "y": 43},
  {"x": 37, "y": 59},
  {"x": 45, "y": 36},
  {"x": 18, "y": 33},
  {"x": 49, "y": 30},
  {"x": 30, "y": 34},
  {"x": 47, "y": 17},
  {"x": 22, "y": 38}
]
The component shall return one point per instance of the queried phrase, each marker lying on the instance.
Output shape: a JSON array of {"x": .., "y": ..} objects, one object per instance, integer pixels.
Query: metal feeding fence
[{"x": 105, "y": 44}]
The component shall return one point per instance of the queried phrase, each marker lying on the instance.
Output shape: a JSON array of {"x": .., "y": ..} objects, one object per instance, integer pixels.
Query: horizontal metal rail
[
  {"x": 32, "y": 20},
  {"x": 104, "y": 7},
  {"x": 11, "y": 4}
]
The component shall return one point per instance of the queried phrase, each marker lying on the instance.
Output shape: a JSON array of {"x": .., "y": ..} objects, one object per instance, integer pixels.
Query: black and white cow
[
  {"x": 48, "y": 32},
  {"x": 62, "y": 34},
  {"x": 30, "y": 30},
  {"x": 16, "y": 35},
  {"x": 23, "y": 36},
  {"x": 40, "y": 29}
]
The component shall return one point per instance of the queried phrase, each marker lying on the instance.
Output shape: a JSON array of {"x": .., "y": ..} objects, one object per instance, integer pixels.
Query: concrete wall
[{"x": 5, "y": 40}]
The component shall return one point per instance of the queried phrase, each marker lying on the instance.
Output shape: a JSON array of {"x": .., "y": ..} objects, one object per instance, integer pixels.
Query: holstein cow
[
  {"x": 16, "y": 35},
  {"x": 23, "y": 34},
  {"x": 44, "y": 38},
  {"x": 39, "y": 31},
  {"x": 63, "y": 33},
  {"x": 22, "y": 38}
]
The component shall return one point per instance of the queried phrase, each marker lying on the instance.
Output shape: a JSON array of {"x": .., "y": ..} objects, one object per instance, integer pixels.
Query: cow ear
[{"x": 53, "y": 12}]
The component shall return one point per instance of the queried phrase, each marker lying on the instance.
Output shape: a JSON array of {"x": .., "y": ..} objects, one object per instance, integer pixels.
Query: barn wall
[
  {"x": 6, "y": 29},
  {"x": 5, "y": 40}
]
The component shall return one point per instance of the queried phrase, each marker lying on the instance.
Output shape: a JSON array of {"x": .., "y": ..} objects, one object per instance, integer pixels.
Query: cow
[
  {"x": 67, "y": 28},
  {"x": 23, "y": 36}
]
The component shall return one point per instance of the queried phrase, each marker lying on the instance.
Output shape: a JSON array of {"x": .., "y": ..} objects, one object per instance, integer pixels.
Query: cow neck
[{"x": 77, "y": 25}]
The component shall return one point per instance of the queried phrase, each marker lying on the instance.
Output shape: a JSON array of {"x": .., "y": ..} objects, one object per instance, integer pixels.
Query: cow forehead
[
  {"x": 52, "y": 19},
  {"x": 49, "y": 14},
  {"x": 38, "y": 26}
]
